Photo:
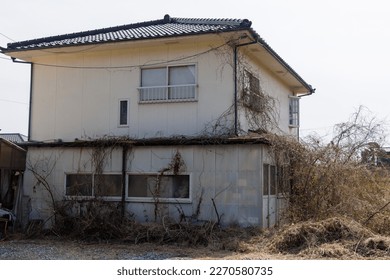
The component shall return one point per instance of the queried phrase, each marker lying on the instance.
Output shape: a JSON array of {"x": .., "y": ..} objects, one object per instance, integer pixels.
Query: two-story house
[{"x": 163, "y": 117}]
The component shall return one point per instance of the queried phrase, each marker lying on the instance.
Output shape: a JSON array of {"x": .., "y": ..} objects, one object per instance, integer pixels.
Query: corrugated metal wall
[{"x": 230, "y": 175}]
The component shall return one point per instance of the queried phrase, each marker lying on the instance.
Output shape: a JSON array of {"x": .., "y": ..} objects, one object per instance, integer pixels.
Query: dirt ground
[
  {"x": 49, "y": 249},
  {"x": 329, "y": 239}
]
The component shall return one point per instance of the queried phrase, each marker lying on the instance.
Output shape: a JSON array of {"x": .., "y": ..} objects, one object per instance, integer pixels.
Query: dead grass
[
  {"x": 296, "y": 238},
  {"x": 331, "y": 238},
  {"x": 335, "y": 238}
]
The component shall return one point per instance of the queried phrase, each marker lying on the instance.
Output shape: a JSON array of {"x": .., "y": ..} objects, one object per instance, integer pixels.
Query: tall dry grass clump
[{"x": 341, "y": 178}]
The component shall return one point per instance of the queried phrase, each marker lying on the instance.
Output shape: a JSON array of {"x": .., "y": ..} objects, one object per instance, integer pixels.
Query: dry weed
[
  {"x": 328, "y": 251},
  {"x": 376, "y": 246},
  {"x": 334, "y": 238},
  {"x": 336, "y": 179}
]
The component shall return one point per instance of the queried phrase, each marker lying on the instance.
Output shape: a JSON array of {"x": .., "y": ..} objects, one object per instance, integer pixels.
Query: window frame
[
  {"x": 120, "y": 112},
  {"x": 93, "y": 195},
  {"x": 270, "y": 180},
  {"x": 108, "y": 197},
  {"x": 167, "y": 86},
  {"x": 293, "y": 111},
  {"x": 251, "y": 83},
  {"x": 252, "y": 94},
  {"x": 77, "y": 196},
  {"x": 160, "y": 199}
]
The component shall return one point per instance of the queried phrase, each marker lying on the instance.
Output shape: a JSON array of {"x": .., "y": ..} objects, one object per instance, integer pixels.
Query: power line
[
  {"x": 13, "y": 101},
  {"x": 5, "y": 36},
  {"x": 130, "y": 66}
]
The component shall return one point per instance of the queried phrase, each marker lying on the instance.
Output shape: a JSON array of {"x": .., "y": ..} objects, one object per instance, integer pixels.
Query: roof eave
[
  {"x": 15, "y": 49},
  {"x": 28, "y": 53},
  {"x": 174, "y": 141},
  {"x": 264, "y": 44},
  {"x": 12, "y": 51}
]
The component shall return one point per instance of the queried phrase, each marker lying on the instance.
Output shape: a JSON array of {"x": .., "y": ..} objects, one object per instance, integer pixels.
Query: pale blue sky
[{"x": 341, "y": 47}]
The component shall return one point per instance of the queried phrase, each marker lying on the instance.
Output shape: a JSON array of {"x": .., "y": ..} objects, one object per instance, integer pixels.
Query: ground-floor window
[
  {"x": 139, "y": 186},
  {"x": 106, "y": 185},
  {"x": 269, "y": 179},
  {"x": 78, "y": 185},
  {"x": 161, "y": 186}
]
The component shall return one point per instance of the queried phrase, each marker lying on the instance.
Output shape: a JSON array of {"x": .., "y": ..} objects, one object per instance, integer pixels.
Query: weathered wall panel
[{"x": 227, "y": 174}]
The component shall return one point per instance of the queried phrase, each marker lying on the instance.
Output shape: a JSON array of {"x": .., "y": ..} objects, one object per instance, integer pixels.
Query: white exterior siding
[
  {"x": 71, "y": 103},
  {"x": 82, "y": 101},
  {"x": 229, "y": 174}
]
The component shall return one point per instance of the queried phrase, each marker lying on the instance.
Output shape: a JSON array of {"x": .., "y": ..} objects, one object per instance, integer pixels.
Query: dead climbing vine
[
  {"x": 176, "y": 166},
  {"x": 257, "y": 110},
  {"x": 42, "y": 168}
]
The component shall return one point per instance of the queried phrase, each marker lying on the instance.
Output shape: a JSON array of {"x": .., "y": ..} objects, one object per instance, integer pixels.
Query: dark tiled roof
[
  {"x": 166, "y": 27},
  {"x": 14, "y": 137}
]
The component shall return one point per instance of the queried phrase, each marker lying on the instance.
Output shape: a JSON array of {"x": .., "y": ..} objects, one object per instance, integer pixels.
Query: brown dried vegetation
[
  {"x": 329, "y": 180},
  {"x": 339, "y": 205}
]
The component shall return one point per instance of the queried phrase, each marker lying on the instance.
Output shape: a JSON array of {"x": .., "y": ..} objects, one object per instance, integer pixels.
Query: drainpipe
[
  {"x": 30, "y": 102},
  {"x": 124, "y": 168},
  {"x": 31, "y": 89},
  {"x": 235, "y": 83}
]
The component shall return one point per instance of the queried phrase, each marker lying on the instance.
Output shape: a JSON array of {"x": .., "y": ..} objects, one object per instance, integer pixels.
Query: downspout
[
  {"x": 30, "y": 103},
  {"x": 31, "y": 89},
  {"x": 124, "y": 168},
  {"x": 236, "y": 85}
]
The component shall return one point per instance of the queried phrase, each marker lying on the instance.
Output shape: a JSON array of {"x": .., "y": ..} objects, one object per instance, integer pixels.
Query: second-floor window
[
  {"x": 168, "y": 84},
  {"x": 251, "y": 83},
  {"x": 294, "y": 111},
  {"x": 123, "y": 112},
  {"x": 252, "y": 96}
]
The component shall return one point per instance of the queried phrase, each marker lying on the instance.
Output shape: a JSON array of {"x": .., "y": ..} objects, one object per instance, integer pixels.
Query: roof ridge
[{"x": 214, "y": 21}]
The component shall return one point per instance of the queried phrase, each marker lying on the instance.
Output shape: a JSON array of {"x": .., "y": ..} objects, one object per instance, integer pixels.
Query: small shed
[{"x": 12, "y": 165}]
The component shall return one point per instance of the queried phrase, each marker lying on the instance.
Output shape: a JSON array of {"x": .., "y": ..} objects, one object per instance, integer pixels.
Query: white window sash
[
  {"x": 120, "y": 114},
  {"x": 294, "y": 111},
  {"x": 178, "y": 86}
]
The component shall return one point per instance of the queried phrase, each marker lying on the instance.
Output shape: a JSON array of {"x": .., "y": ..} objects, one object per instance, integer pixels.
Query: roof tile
[
  {"x": 166, "y": 27},
  {"x": 144, "y": 30},
  {"x": 13, "y": 137}
]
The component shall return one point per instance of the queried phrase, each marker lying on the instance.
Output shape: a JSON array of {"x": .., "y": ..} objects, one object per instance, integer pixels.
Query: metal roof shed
[{"x": 11, "y": 156}]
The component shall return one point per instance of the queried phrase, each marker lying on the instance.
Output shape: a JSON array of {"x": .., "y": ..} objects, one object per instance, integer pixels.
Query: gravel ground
[
  {"x": 73, "y": 250},
  {"x": 53, "y": 249}
]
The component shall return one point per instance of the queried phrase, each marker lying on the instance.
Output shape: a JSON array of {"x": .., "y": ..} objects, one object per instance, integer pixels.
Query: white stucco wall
[
  {"x": 76, "y": 102},
  {"x": 76, "y": 94}
]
